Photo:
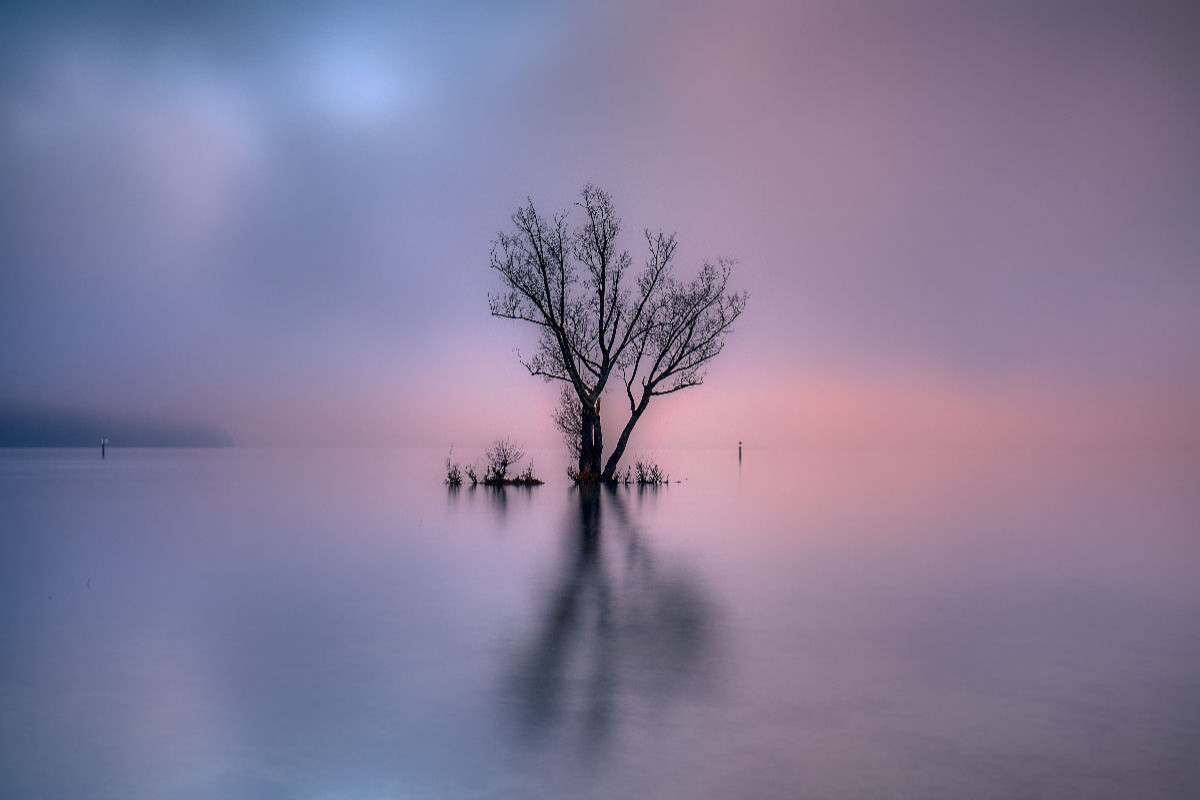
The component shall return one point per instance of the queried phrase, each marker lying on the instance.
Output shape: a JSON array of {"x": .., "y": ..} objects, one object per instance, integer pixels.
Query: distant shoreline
[
  {"x": 112, "y": 446},
  {"x": 46, "y": 428}
]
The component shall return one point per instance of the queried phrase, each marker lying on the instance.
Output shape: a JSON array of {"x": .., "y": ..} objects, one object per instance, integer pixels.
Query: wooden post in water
[
  {"x": 739, "y": 451},
  {"x": 103, "y": 444}
]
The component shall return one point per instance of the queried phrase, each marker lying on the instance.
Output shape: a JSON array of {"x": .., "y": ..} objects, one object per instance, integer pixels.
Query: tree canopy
[{"x": 599, "y": 316}]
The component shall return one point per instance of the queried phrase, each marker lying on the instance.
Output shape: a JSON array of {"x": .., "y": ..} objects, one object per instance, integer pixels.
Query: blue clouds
[{"x": 256, "y": 210}]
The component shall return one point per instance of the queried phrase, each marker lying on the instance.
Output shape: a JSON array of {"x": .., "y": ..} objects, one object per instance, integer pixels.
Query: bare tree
[
  {"x": 596, "y": 317},
  {"x": 500, "y": 456},
  {"x": 568, "y": 419}
]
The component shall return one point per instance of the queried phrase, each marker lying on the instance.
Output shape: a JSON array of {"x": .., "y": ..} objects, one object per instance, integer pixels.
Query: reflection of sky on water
[{"x": 250, "y": 624}]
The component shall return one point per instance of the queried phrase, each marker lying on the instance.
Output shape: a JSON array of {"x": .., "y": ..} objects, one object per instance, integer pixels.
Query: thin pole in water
[
  {"x": 739, "y": 451},
  {"x": 103, "y": 444}
]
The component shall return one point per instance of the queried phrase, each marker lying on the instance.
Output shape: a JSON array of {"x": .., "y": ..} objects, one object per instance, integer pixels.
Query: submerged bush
[
  {"x": 502, "y": 455},
  {"x": 526, "y": 478},
  {"x": 643, "y": 472},
  {"x": 453, "y": 472},
  {"x": 648, "y": 473}
]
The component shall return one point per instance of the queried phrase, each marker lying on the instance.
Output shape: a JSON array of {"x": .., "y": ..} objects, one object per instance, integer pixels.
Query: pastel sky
[{"x": 959, "y": 222}]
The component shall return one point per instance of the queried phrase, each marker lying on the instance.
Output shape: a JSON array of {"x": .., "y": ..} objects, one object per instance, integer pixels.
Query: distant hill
[{"x": 21, "y": 427}]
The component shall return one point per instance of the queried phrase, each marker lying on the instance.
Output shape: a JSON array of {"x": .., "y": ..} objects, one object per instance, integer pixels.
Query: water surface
[{"x": 313, "y": 624}]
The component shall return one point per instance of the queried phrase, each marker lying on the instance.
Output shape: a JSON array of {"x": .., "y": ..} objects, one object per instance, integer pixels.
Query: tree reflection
[{"x": 617, "y": 628}]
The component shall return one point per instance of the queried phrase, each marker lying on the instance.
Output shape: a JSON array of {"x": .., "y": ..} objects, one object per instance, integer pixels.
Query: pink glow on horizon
[{"x": 968, "y": 223}]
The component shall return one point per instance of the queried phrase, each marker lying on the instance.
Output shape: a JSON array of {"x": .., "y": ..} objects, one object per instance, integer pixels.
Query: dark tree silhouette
[
  {"x": 500, "y": 456},
  {"x": 568, "y": 418},
  {"x": 598, "y": 316}
]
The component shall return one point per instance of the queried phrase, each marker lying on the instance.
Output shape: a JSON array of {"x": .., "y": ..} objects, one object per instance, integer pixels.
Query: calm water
[{"x": 258, "y": 624}]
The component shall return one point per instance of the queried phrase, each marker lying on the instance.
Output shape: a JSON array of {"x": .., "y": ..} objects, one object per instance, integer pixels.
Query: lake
[{"x": 828, "y": 624}]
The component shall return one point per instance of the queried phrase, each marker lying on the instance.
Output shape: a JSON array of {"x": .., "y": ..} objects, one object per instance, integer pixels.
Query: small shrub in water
[
  {"x": 648, "y": 473},
  {"x": 453, "y": 472},
  {"x": 500, "y": 456},
  {"x": 527, "y": 478}
]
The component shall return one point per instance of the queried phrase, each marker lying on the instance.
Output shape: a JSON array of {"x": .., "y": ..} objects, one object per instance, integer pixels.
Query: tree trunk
[
  {"x": 597, "y": 443},
  {"x": 610, "y": 468},
  {"x": 591, "y": 445},
  {"x": 586, "y": 448}
]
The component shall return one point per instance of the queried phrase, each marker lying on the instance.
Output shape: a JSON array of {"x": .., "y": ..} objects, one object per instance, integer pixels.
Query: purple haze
[{"x": 959, "y": 222}]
